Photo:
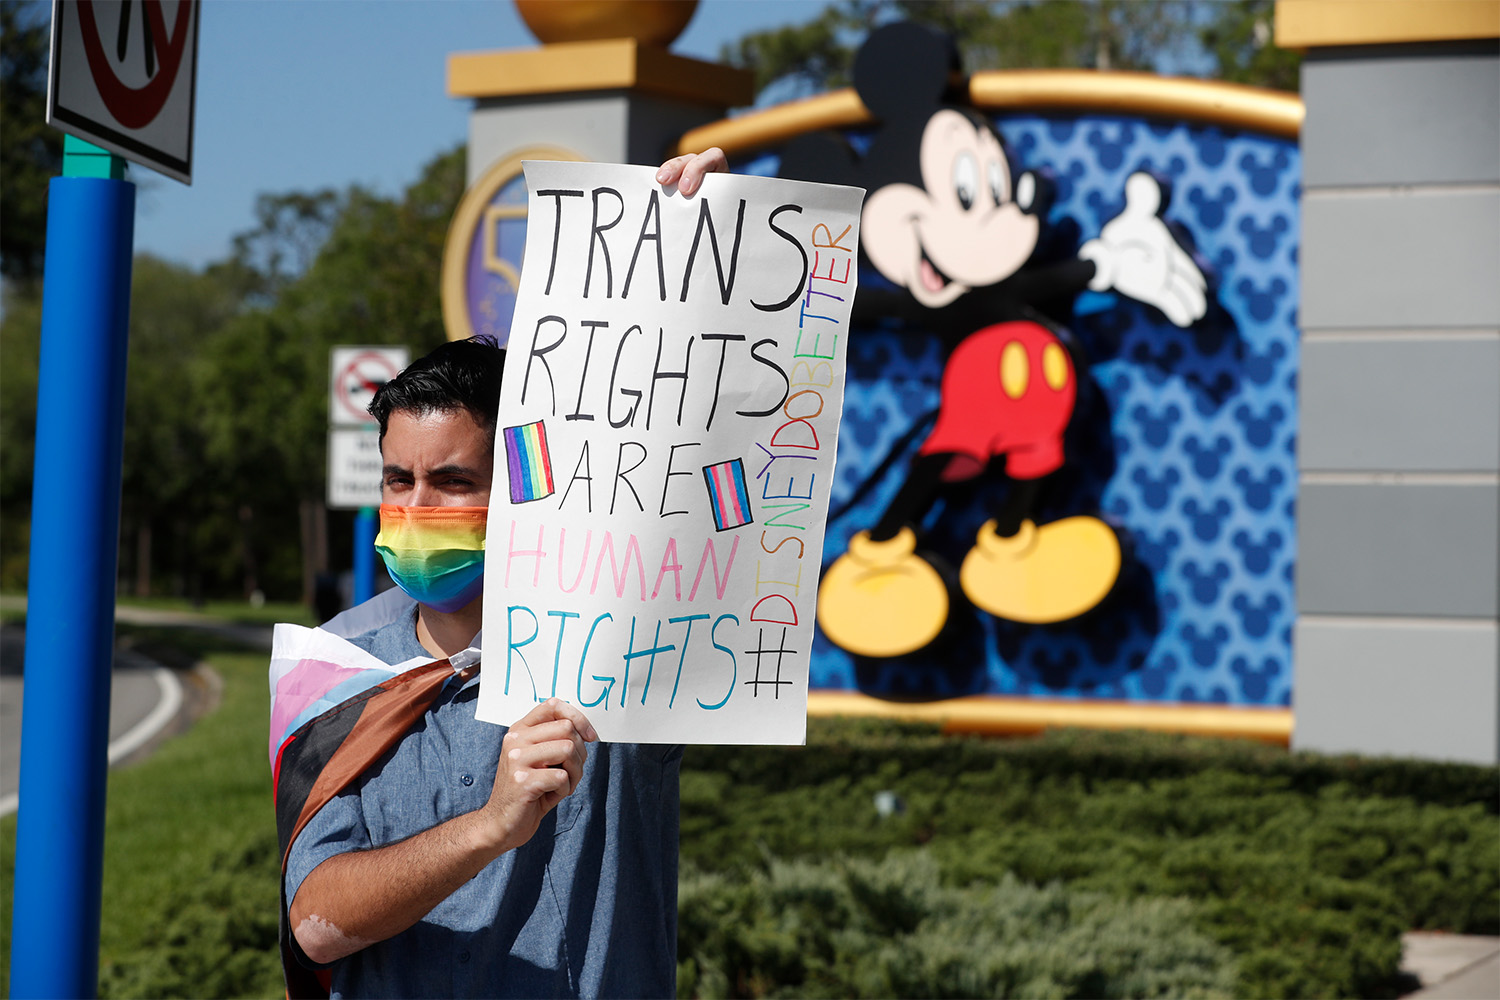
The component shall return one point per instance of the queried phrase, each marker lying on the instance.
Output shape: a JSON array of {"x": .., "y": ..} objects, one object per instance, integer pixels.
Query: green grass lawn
[
  {"x": 1077, "y": 864},
  {"x": 236, "y": 612}
]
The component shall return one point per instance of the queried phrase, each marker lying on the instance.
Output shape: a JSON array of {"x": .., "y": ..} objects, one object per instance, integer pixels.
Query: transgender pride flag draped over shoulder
[
  {"x": 668, "y": 426},
  {"x": 335, "y": 709}
]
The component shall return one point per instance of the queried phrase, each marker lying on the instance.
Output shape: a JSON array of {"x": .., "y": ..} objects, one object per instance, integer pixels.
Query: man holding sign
[{"x": 428, "y": 853}]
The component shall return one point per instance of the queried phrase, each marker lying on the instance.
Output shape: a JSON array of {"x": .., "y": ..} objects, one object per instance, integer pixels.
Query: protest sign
[{"x": 665, "y": 452}]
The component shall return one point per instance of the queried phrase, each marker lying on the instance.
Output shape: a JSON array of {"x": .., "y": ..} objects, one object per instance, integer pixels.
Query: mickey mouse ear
[
  {"x": 902, "y": 69},
  {"x": 825, "y": 157}
]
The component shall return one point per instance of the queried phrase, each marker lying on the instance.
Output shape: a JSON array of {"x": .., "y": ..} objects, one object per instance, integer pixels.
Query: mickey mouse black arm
[{"x": 995, "y": 303}]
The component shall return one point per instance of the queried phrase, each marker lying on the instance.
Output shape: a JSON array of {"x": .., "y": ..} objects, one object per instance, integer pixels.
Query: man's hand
[
  {"x": 687, "y": 170},
  {"x": 355, "y": 899},
  {"x": 541, "y": 762},
  {"x": 1137, "y": 256}
]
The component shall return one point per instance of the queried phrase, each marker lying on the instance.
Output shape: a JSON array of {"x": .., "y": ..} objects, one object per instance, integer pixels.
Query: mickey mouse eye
[
  {"x": 965, "y": 179},
  {"x": 997, "y": 183},
  {"x": 1026, "y": 191}
]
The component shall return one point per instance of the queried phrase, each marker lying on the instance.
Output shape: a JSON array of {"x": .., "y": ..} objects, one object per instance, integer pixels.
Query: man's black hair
[{"x": 459, "y": 375}]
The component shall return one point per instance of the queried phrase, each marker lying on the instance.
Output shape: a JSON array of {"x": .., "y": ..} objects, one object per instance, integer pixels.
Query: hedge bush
[
  {"x": 890, "y": 928},
  {"x": 1307, "y": 868}
]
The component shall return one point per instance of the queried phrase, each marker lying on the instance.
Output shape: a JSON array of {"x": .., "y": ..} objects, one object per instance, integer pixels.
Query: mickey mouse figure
[{"x": 946, "y": 223}]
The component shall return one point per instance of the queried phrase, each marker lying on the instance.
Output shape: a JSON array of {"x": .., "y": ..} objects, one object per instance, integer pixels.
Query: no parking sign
[
  {"x": 122, "y": 77},
  {"x": 353, "y": 442}
]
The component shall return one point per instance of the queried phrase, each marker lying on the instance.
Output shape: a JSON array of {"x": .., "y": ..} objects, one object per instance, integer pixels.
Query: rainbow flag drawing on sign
[
  {"x": 530, "y": 465},
  {"x": 727, "y": 494}
]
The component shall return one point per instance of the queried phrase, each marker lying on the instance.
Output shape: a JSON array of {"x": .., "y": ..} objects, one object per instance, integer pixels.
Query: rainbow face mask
[{"x": 435, "y": 554}]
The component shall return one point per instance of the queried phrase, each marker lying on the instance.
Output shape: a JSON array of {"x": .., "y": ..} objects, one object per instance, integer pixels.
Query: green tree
[
  {"x": 226, "y": 407},
  {"x": 175, "y": 313},
  {"x": 290, "y": 230},
  {"x": 1239, "y": 39},
  {"x": 20, "y": 338},
  {"x": 30, "y": 151},
  {"x": 375, "y": 278},
  {"x": 1015, "y": 34}
]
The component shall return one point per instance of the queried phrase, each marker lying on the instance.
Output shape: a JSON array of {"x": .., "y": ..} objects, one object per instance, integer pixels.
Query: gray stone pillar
[
  {"x": 613, "y": 100},
  {"x": 1397, "y": 643},
  {"x": 587, "y": 94}
]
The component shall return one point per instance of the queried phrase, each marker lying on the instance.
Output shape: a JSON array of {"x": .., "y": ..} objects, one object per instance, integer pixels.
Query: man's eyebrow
[
  {"x": 395, "y": 470},
  {"x": 455, "y": 470}
]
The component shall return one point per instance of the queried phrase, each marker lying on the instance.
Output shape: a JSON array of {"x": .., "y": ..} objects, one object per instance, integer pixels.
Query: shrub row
[
  {"x": 1297, "y": 864},
  {"x": 890, "y": 928},
  {"x": 839, "y": 746}
]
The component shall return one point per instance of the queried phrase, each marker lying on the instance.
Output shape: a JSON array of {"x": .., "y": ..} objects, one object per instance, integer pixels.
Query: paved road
[
  {"x": 141, "y": 692},
  {"x": 144, "y": 696},
  {"x": 1453, "y": 966}
]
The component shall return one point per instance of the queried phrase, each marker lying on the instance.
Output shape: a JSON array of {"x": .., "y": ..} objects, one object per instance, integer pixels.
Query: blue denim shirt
[{"x": 587, "y": 907}]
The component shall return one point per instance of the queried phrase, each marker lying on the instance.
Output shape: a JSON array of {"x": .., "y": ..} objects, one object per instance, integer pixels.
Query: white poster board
[{"x": 668, "y": 425}]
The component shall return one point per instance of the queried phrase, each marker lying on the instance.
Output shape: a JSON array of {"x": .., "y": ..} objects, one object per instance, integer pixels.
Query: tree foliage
[
  {"x": 1228, "y": 40},
  {"x": 1239, "y": 40},
  {"x": 227, "y": 386},
  {"x": 31, "y": 152}
]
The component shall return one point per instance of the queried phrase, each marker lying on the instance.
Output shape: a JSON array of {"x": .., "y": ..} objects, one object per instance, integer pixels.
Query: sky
[{"x": 296, "y": 95}]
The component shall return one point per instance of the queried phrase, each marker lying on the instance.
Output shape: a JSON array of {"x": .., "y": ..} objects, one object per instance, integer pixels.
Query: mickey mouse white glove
[{"x": 1136, "y": 255}]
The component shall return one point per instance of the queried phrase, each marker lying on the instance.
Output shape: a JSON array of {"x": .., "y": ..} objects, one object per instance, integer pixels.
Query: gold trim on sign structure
[
  {"x": 473, "y": 208},
  {"x": 1304, "y": 24},
  {"x": 1205, "y": 102},
  {"x": 1027, "y": 716},
  {"x": 602, "y": 65}
]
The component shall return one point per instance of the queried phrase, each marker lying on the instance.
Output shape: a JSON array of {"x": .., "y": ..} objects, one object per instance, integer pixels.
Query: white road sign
[
  {"x": 353, "y": 467},
  {"x": 122, "y": 77},
  {"x": 356, "y": 372}
]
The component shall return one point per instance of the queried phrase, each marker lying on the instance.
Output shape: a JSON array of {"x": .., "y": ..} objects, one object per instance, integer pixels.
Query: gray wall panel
[
  {"x": 1401, "y": 120},
  {"x": 592, "y": 127},
  {"x": 1429, "y": 404},
  {"x": 656, "y": 122},
  {"x": 608, "y": 126},
  {"x": 1401, "y": 259},
  {"x": 1398, "y": 549},
  {"x": 1428, "y": 690}
]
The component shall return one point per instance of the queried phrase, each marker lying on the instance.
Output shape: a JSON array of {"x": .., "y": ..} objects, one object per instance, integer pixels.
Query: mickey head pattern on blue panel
[{"x": 1183, "y": 439}]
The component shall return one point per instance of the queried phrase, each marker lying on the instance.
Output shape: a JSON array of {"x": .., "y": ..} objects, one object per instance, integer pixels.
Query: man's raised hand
[
  {"x": 541, "y": 763},
  {"x": 687, "y": 170}
]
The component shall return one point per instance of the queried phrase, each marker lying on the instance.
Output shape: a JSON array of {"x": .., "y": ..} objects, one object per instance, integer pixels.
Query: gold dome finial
[{"x": 650, "y": 22}]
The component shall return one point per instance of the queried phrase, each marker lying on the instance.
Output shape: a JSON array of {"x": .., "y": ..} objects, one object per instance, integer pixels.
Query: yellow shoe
[
  {"x": 1042, "y": 575},
  {"x": 881, "y": 598}
]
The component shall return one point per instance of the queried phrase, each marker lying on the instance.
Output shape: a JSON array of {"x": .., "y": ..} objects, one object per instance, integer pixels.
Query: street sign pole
[
  {"x": 366, "y": 524},
  {"x": 70, "y": 609}
]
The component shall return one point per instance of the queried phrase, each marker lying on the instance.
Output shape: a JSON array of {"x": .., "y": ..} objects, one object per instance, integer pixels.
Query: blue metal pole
[
  {"x": 75, "y": 524},
  {"x": 365, "y": 524}
]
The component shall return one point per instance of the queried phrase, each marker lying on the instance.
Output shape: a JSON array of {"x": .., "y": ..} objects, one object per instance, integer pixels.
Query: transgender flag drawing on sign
[
  {"x": 530, "y": 465},
  {"x": 727, "y": 494}
]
